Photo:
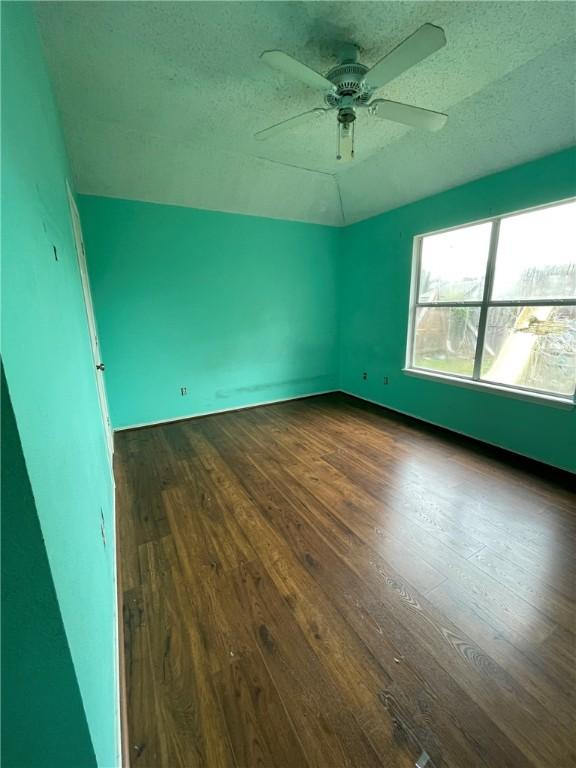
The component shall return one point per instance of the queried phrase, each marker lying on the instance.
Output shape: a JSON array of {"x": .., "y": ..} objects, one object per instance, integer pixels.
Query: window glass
[
  {"x": 453, "y": 264},
  {"x": 445, "y": 339},
  {"x": 533, "y": 346},
  {"x": 523, "y": 334},
  {"x": 537, "y": 255}
]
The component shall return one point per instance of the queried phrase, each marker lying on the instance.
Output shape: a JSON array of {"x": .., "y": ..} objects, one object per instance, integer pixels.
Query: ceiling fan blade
[
  {"x": 289, "y": 66},
  {"x": 425, "y": 41},
  {"x": 292, "y": 122},
  {"x": 408, "y": 115}
]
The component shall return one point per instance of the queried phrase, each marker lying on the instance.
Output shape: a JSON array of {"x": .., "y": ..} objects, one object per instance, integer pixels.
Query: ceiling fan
[{"x": 349, "y": 86}]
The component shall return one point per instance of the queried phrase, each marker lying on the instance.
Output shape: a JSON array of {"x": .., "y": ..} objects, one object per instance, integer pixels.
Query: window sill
[{"x": 518, "y": 394}]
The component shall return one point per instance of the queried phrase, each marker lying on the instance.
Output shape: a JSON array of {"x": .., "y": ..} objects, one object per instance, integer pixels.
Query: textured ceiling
[{"x": 160, "y": 101}]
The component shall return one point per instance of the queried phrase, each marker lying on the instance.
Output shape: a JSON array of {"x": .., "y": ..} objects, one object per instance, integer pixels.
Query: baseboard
[
  {"x": 350, "y": 394},
  {"x": 122, "y": 718},
  {"x": 225, "y": 410},
  {"x": 456, "y": 431}
]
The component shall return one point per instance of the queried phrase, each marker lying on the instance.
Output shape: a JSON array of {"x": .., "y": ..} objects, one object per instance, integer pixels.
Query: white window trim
[{"x": 474, "y": 382}]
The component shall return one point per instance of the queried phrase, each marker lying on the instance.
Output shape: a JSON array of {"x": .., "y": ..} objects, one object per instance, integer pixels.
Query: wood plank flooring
[{"x": 322, "y": 583}]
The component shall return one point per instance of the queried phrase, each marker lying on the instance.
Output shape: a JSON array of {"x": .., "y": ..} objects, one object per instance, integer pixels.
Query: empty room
[{"x": 288, "y": 384}]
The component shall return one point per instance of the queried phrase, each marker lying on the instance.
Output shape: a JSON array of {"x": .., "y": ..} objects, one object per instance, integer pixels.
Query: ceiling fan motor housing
[{"x": 348, "y": 80}]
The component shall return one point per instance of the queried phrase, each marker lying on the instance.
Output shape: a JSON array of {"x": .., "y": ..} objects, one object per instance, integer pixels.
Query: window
[{"x": 494, "y": 303}]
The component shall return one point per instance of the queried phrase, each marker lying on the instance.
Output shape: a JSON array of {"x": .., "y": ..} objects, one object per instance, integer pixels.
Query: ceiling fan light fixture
[{"x": 345, "y": 141}]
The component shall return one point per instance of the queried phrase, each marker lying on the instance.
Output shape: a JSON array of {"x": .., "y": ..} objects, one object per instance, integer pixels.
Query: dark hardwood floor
[{"x": 324, "y": 583}]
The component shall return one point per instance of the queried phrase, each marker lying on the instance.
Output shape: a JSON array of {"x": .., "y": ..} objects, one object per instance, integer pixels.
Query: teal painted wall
[
  {"x": 242, "y": 310},
  {"x": 50, "y": 375},
  {"x": 238, "y": 309},
  {"x": 43, "y": 720},
  {"x": 375, "y": 291}
]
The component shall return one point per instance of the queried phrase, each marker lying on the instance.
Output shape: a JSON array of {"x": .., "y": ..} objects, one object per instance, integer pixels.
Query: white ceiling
[{"x": 160, "y": 101}]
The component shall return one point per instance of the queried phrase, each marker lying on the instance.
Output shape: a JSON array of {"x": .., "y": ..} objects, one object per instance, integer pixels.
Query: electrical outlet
[
  {"x": 364, "y": 375},
  {"x": 183, "y": 391},
  {"x": 385, "y": 380}
]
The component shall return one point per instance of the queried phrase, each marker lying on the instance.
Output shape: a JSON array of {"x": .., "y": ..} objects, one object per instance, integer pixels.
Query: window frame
[{"x": 484, "y": 304}]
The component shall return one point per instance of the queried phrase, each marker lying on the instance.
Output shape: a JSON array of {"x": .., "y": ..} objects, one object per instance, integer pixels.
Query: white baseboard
[{"x": 225, "y": 410}]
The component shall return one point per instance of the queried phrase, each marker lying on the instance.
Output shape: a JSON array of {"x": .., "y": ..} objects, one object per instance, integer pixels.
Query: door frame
[{"x": 91, "y": 318}]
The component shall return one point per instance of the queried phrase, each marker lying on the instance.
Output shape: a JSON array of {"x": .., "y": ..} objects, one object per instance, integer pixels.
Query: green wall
[
  {"x": 238, "y": 309},
  {"x": 43, "y": 720},
  {"x": 242, "y": 310},
  {"x": 375, "y": 290},
  {"x": 50, "y": 376}
]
